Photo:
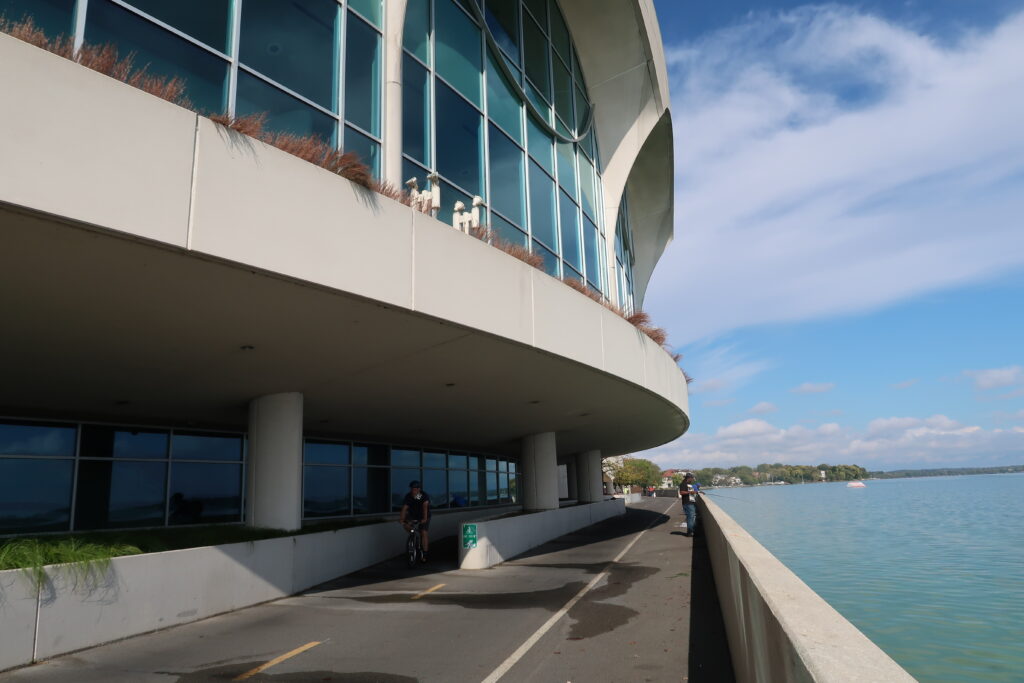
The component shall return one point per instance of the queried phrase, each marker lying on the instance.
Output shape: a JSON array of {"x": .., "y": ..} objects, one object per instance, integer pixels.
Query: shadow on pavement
[{"x": 709, "y": 658}]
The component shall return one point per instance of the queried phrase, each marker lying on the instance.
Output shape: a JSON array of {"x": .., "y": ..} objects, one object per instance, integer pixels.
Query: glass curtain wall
[
  {"x": 624, "y": 257},
  {"x": 345, "y": 478},
  {"x": 464, "y": 119},
  {"x": 314, "y": 67},
  {"x": 58, "y": 476}
]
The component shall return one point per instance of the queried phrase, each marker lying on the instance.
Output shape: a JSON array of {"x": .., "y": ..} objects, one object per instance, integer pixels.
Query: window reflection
[
  {"x": 196, "y": 446},
  {"x": 205, "y": 20},
  {"x": 362, "y": 75},
  {"x": 35, "y": 495},
  {"x": 542, "y": 206},
  {"x": 459, "y": 132},
  {"x": 31, "y": 438},
  {"x": 326, "y": 491},
  {"x": 284, "y": 113},
  {"x": 457, "y": 49},
  {"x": 507, "y": 176},
  {"x": 370, "y": 490},
  {"x": 326, "y": 453},
  {"x": 458, "y": 488},
  {"x": 415, "y": 112},
  {"x": 113, "y": 495},
  {"x": 99, "y": 441},
  {"x": 400, "y": 478},
  {"x": 205, "y": 493},
  {"x": 570, "y": 224},
  {"x": 435, "y": 482}
]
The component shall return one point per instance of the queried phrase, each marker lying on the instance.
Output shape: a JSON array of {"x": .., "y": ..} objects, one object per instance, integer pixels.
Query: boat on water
[{"x": 855, "y": 485}]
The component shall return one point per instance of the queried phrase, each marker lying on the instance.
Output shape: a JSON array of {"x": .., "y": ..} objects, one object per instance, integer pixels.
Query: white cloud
[
  {"x": 721, "y": 368},
  {"x": 906, "y": 384},
  {"x": 763, "y": 408},
  {"x": 996, "y": 378},
  {"x": 812, "y": 388},
  {"x": 832, "y": 162},
  {"x": 887, "y": 443},
  {"x": 718, "y": 402}
]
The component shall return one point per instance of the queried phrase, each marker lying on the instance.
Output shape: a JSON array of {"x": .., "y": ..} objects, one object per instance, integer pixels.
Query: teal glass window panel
[
  {"x": 567, "y": 167},
  {"x": 542, "y": 207},
  {"x": 450, "y": 195},
  {"x": 569, "y": 221},
  {"x": 474, "y": 462},
  {"x": 457, "y": 461},
  {"x": 513, "y": 486},
  {"x": 550, "y": 259},
  {"x": 35, "y": 495},
  {"x": 326, "y": 453},
  {"x": 539, "y": 10},
  {"x": 400, "y": 478},
  {"x": 569, "y": 271},
  {"x": 367, "y": 148},
  {"x": 588, "y": 187},
  {"x": 294, "y": 44},
  {"x": 362, "y": 76},
  {"x": 434, "y": 459},
  {"x": 459, "y": 140},
  {"x": 535, "y": 57},
  {"x": 491, "y": 464},
  {"x": 162, "y": 52},
  {"x": 507, "y": 232},
  {"x": 541, "y": 145},
  {"x": 370, "y": 488},
  {"x": 205, "y": 493},
  {"x": 412, "y": 170},
  {"x": 416, "y": 112},
  {"x": 503, "y": 21},
  {"x": 582, "y": 112},
  {"x": 116, "y": 495},
  {"x": 457, "y": 49},
  {"x": 101, "y": 441},
  {"x": 577, "y": 71},
  {"x": 474, "y": 488},
  {"x": 370, "y": 9},
  {"x": 458, "y": 488},
  {"x": 508, "y": 176},
  {"x": 492, "y": 488},
  {"x": 196, "y": 446},
  {"x": 560, "y": 35},
  {"x": 33, "y": 438},
  {"x": 405, "y": 457},
  {"x": 416, "y": 32},
  {"x": 435, "y": 483},
  {"x": 592, "y": 252},
  {"x": 285, "y": 113},
  {"x": 54, "y": 17},
  {"x": 503, "y": 105},
  {"x": 370, "y": 454},
  {"x": 563, "y": 93},
  {"x": 503, "y": 466},
  {"x": 326, "y": 491},
  {"x": 542, "y": 107},
  {"x": 204, "y": 20},
  {"x": 503, "y": 493}
]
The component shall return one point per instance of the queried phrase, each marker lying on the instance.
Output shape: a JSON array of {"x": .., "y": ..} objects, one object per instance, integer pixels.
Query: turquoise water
[{"x": 930, "y": 569}]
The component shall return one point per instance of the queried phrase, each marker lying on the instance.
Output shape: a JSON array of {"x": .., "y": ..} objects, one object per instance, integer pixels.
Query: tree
[{"x": 638, "y": 472}]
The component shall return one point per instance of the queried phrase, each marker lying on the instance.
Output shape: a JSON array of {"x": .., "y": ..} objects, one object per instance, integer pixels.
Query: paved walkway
[{"x": 611, "y": 602}]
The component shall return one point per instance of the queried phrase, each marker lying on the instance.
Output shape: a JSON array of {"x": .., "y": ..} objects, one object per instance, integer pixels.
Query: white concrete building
[{"x": 201, "y": 328}]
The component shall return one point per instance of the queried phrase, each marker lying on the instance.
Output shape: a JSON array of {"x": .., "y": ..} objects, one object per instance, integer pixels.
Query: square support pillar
[
  {"x": 274, "y": 480},
  {"x": 539, "y": 463}
]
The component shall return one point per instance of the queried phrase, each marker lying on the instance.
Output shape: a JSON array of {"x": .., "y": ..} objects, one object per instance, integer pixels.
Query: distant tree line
[
  {"x": 790, "y": 474},
  {"x": 946, "y": 472}
]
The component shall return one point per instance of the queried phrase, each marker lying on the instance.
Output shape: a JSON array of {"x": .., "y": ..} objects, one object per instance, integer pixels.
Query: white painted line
[{"x": 539, "y": 633}]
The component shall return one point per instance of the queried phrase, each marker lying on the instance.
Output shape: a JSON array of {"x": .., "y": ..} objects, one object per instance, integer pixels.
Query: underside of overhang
[{"x": 100, "y": 327}]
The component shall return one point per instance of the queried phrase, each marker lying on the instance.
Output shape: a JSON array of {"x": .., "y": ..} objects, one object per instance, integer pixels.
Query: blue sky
[{"x": 846, "y": 281}]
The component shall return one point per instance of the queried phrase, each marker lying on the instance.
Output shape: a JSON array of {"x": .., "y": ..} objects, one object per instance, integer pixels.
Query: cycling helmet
[{"x": 414, "y": 484}]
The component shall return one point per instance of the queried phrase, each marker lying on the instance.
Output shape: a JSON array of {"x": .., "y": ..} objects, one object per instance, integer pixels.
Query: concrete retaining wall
[
  {"x": 501, "y": 539},
  {"x": 780, "y": 630},
  {"x": 72, "y": 610}
]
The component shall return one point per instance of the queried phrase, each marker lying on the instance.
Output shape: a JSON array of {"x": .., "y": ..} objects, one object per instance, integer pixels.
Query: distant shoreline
[{"x": 946, "y": 472}]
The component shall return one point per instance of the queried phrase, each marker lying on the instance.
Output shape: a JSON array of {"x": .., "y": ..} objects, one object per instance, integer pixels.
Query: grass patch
[{"x": 94, "y": 550}]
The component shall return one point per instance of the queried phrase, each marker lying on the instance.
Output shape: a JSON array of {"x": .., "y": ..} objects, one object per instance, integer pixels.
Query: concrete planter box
[
  {"x": 779, "y": 630},
  {"x": 142, "y": 593},
  {"x": 501, "y": 539}
]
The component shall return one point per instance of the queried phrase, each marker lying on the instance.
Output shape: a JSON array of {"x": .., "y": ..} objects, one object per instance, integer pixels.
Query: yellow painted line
[
  {"x": 428, "y": 591},
  {"x": 276, "y": 660}
]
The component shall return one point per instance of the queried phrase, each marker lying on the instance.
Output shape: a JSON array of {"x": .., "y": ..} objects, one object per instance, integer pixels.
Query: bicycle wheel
[{"x": 412, "y": 549}]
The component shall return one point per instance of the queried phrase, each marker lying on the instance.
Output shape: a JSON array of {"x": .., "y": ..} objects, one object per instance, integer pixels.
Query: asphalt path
[{"x": 611, "y": 602}]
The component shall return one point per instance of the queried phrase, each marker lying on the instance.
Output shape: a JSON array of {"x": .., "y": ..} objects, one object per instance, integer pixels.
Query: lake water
[{"x": 930, "y": 569}]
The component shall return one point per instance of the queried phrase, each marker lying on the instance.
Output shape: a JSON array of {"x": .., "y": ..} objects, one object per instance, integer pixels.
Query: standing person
[
  {"x": 688, "y": 490},
  {"x": 416, "y": 506}
]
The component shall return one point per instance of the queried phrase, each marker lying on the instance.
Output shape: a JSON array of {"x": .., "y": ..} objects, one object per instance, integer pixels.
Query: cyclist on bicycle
[{"x": 416, "y": 507}]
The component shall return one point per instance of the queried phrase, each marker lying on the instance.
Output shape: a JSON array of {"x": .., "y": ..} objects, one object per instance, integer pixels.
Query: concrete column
[
  {"x": 539, "y": 477},
  {"x": 571, "y": 474},
  {"x": 394, "y": 22},
  {"x": 274, "y": 493},
  {"x": 588, "y": 477}
]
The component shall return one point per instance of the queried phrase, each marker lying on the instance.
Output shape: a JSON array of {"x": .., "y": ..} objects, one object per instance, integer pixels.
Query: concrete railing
[
  {"x": 780, "y": 630},
  {"x": 500, "y": 539},
  {"x": 71, "y": 610}
]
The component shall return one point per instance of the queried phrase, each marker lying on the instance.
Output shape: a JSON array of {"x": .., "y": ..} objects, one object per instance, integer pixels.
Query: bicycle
[{"x": 414, "y": 544}]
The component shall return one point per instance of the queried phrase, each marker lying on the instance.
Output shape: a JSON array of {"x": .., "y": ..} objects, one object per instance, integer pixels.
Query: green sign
[{"x": 469, "y": 535}]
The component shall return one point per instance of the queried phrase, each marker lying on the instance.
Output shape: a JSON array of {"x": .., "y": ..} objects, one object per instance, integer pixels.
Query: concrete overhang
[{"x": 134, "y": 271}]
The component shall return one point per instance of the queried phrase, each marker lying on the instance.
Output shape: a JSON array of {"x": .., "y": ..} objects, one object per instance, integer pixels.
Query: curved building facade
[{"x": 202, "y": 328}]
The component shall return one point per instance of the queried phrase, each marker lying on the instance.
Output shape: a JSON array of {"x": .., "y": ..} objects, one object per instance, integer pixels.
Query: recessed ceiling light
[
  {"x": 450, "y": 384},
  {"x": 533, "y": 403},
  {"x": 247, "y": 347}
]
